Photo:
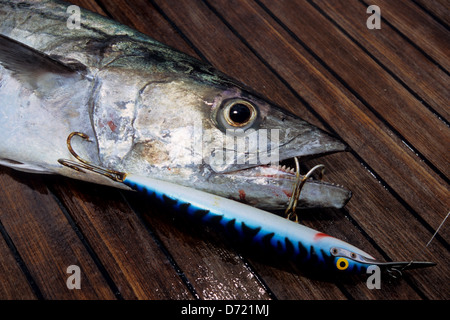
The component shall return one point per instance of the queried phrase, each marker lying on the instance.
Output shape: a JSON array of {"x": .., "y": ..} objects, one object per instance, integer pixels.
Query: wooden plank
[
  {"x": 419, "y": 27},
  {"x": 438, "y": 8},
  {"x": 121, "y": 241},
  {"x": 377, "y": 89},
  {"x": 213, "y": 267},
  {"x": 45, "y": 240},
  {"x": 13, "y": 282},
  {"x": 142, "y": 16},
  {"x": 415, "y": 70},
  {"x": 197, "y": 27}
]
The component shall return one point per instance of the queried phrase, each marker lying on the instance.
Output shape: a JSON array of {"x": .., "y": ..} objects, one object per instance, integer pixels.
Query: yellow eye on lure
[
  {"x": 269, "y": 231},
  {"x": 342, "y": 264}
]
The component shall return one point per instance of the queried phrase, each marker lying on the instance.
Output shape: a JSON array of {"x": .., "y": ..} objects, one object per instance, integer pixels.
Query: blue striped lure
[
  {"x": 269, "y": 231},
  {"x": 256, "y": 226}
]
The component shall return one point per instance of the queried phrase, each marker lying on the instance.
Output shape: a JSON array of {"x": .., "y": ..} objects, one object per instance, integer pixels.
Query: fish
[
  {"x": 272, "y": 234},
  {"x": 148, "y": 108}
]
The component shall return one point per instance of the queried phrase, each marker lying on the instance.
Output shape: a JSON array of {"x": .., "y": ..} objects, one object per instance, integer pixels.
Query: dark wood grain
[
  {"x": 424, "y": 31},
  {"x": 213, "y": 267},
  {"x": 438, "y": 9},
  {"x": 122, "y": 242},
  {"x": 381, "y": 91},
  {"x": 13, "y": 282},
  {"x": 393, "y": 53},
  {"x": 46, "y": 241}
]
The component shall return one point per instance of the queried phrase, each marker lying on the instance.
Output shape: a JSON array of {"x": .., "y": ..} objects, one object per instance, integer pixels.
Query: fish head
[{"x": 209, "y": 132}]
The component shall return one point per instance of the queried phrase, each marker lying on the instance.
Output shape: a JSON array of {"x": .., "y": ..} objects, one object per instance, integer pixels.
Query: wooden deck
[{"x": 384, "y": 92}]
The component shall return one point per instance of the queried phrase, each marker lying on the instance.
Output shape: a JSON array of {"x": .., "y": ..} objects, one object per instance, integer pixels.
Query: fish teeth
[
  {"x": 336, "y": 184},
  {"x": 282, "y": 168}
]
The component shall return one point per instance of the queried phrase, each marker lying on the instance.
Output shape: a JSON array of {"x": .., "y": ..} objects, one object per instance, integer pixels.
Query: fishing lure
[{"x": 298, "y": 242}]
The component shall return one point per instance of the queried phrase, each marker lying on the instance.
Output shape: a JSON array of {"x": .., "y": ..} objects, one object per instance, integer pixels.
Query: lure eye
[
  {"x": 342, "y": 264},
  {"x": 237, "y": 114}
]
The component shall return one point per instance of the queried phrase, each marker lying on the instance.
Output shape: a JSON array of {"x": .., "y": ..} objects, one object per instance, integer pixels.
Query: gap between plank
[
  {"x": 411, "y": 42},
  {"x": 163, "y": 248},
  {"x": 114, "y": 289},
  {"x": 23, "y": 267},
  {"x": 431, "y": 14},
  {"x": 384, "y": 67},
  {"x": 178, "y": 30}
]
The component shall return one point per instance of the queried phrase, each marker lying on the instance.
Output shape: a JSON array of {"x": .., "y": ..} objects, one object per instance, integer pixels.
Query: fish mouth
[
  {"x": 271, "y": 187},
  {"x": 272, "y": 184}
]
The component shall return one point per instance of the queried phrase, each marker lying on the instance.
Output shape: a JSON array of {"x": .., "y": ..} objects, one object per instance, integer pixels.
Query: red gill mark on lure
[{"x": 320, "y": 235}]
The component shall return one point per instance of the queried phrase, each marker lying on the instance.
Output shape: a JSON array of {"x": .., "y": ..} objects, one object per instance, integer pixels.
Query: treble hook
[
  {"x": 297, "y": 188},
  {"x": 85, "y": 165},
  {"x": 392, "y": 271}
]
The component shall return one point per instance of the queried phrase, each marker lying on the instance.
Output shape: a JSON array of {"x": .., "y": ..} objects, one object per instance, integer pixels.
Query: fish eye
[{"x": 237, "y": 114}]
